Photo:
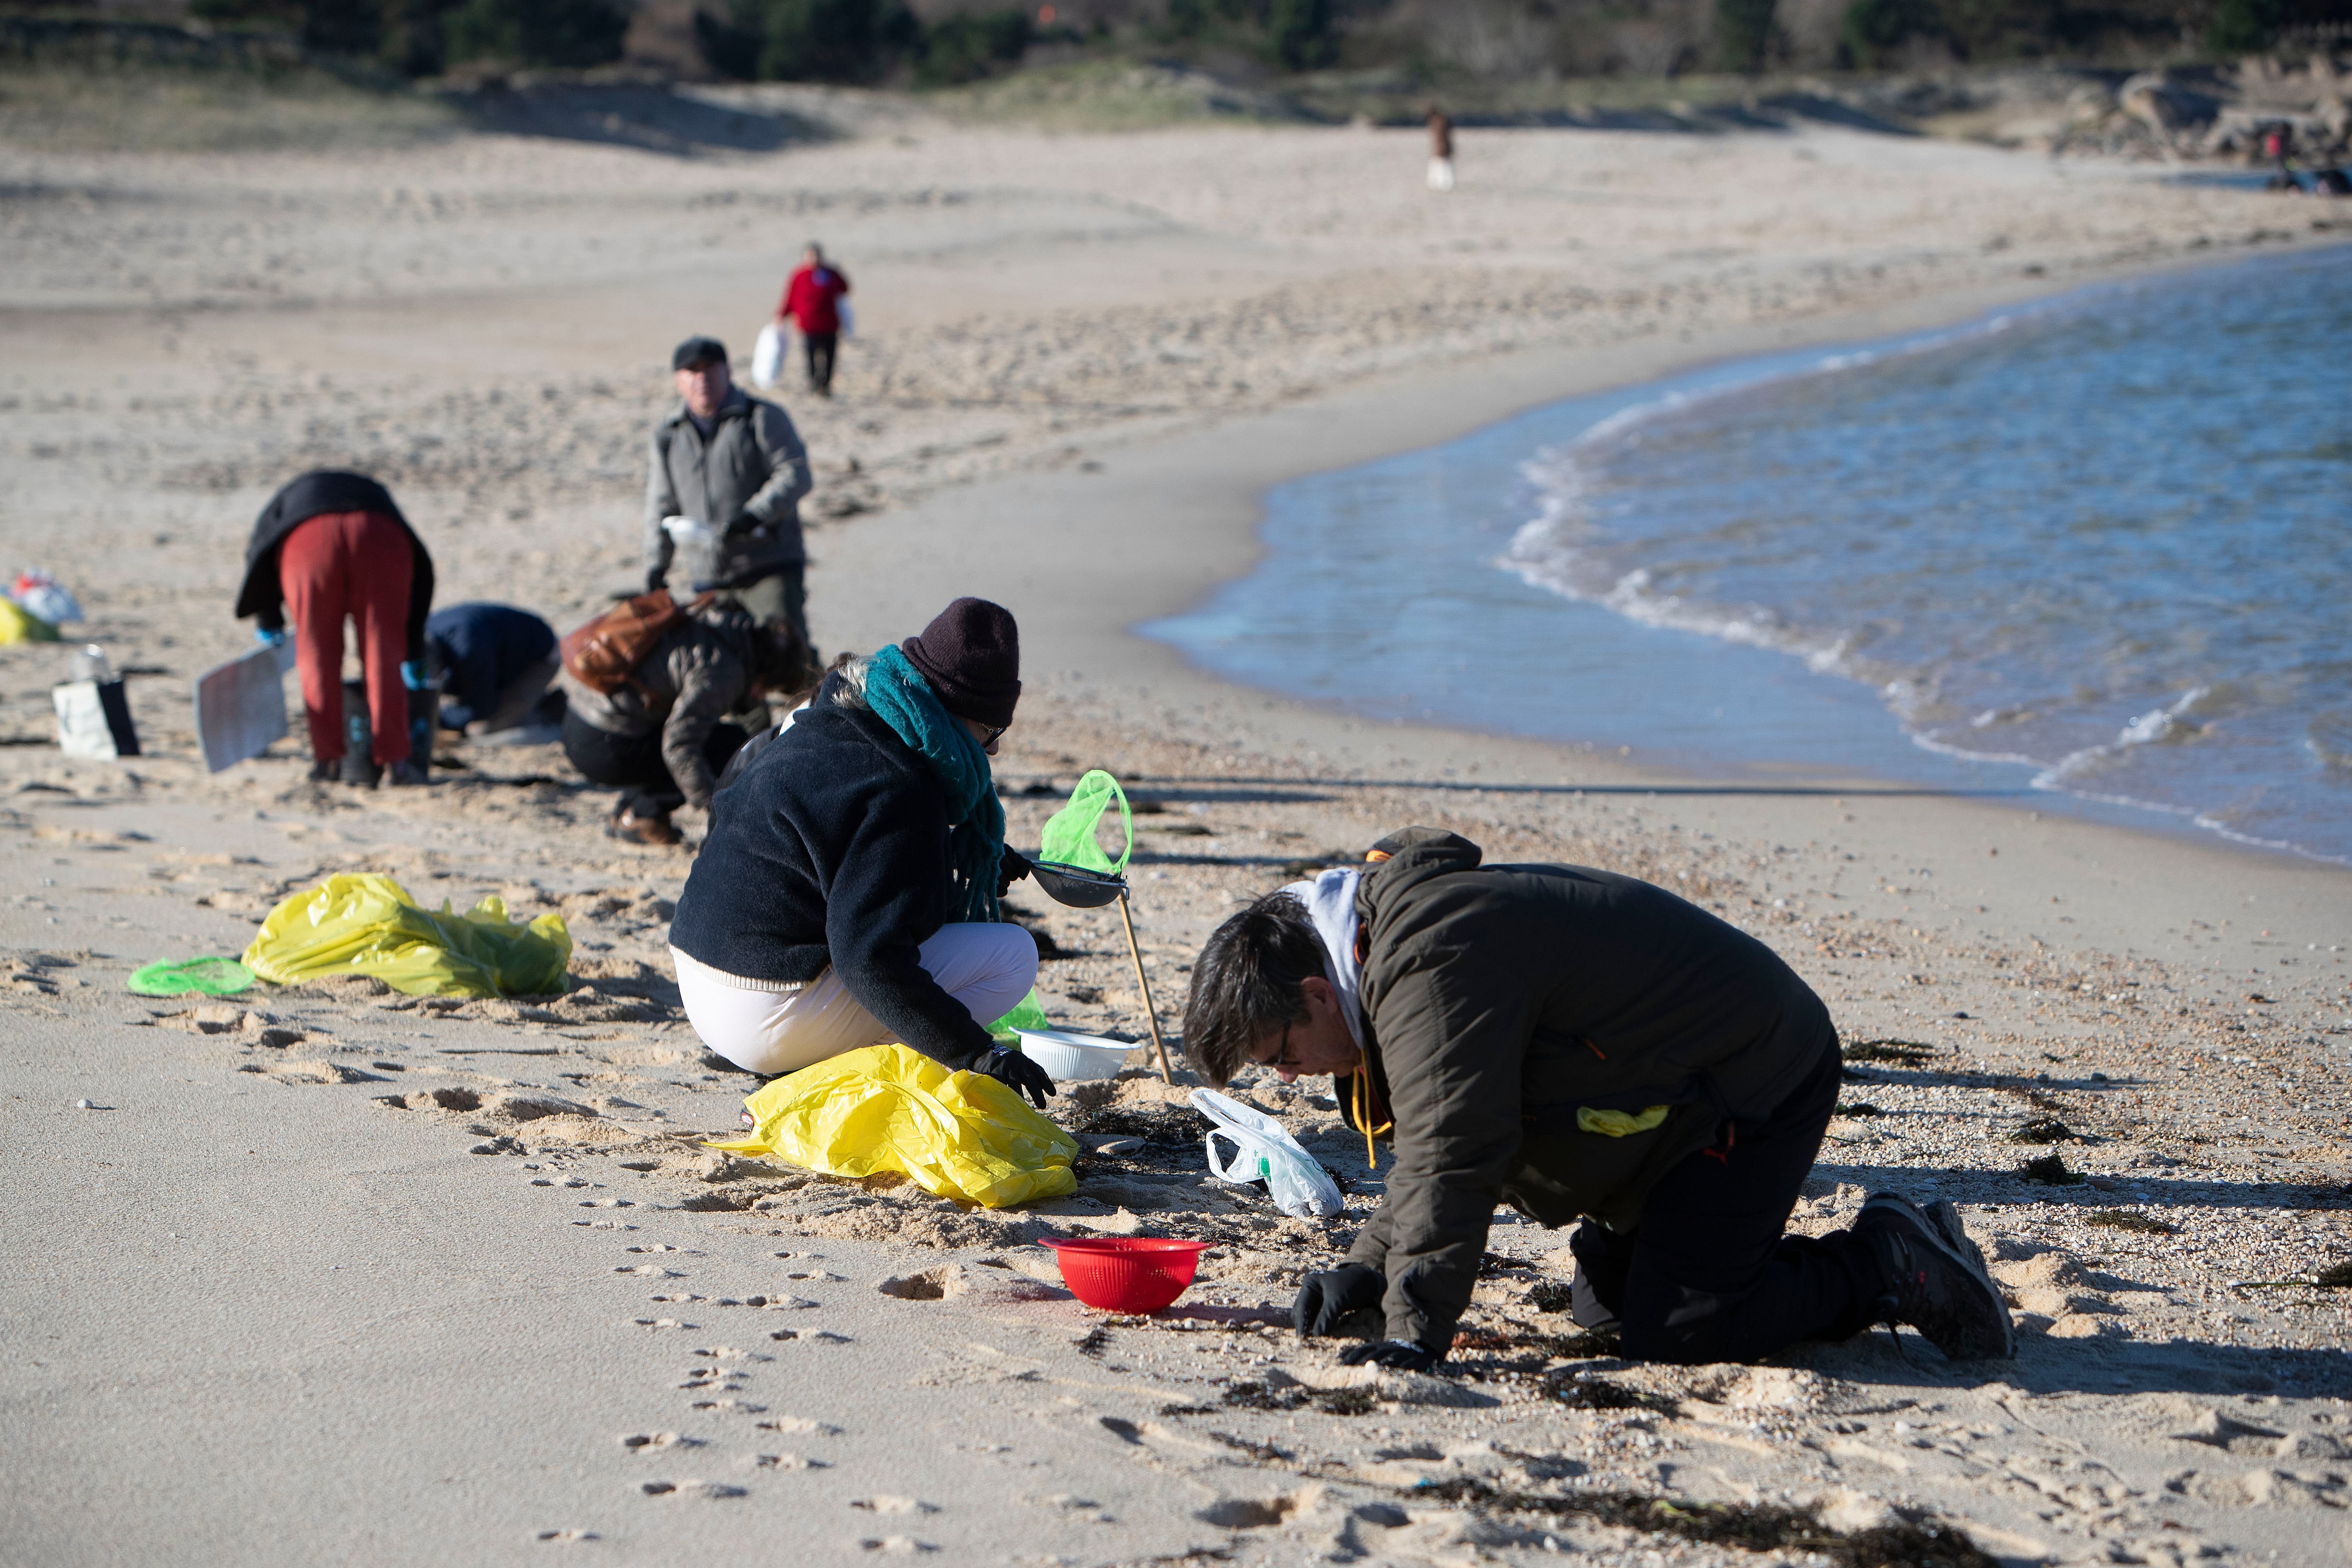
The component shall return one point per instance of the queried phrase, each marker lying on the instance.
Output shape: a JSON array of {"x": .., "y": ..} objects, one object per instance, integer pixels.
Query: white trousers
[{"x": 987, "y": 966}]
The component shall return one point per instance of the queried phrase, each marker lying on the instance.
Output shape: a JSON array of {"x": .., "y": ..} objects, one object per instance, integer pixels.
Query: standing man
[
  {"x": 812, "y": 300},
  {"x": 331, "y": 546},
  {"x": 1580, "y": 1046},
  {"x": 736, "y": 464}
]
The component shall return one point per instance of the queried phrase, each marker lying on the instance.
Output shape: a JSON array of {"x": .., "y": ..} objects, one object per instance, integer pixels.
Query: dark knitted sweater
[{"x": 831, "y": 849}]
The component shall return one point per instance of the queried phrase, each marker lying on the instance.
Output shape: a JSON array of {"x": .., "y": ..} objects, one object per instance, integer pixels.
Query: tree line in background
[{"x": 870, "y": 41}]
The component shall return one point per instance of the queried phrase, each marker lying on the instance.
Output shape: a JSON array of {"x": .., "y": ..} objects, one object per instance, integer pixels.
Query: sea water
[{"x": 2098, "y": 550}]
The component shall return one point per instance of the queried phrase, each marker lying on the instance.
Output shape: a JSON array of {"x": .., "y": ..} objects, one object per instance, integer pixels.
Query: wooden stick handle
[{"x": 1150, "y": 1012}]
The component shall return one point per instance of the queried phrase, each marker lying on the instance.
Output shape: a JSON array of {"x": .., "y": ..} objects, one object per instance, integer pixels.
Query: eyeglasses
[
  {"x": 1283, "y": 1058},
  {"x": 993, "y": 736}
]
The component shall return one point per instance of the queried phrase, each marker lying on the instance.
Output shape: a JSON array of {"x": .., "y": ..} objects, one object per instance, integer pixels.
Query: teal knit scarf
[{"x": 896, "y": 691}]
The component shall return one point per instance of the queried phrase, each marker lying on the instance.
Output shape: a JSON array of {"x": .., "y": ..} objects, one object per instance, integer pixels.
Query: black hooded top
[{"x": 324, "y": 490}]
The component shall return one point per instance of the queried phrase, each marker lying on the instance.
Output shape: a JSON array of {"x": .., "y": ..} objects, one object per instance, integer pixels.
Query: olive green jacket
[{"x": 1510, "y": 1011}]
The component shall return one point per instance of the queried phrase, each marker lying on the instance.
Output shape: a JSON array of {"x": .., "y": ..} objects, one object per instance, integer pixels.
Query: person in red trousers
[
  {"x": 812, "y": 300},
  {"x": 330, "y": 546}
]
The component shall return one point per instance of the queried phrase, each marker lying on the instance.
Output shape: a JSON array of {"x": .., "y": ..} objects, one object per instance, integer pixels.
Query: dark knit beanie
[{"x": 971, "y": 654}]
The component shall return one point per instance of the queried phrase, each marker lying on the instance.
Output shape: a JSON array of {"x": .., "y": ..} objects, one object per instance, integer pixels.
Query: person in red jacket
[{"x": 812, "y": 300}]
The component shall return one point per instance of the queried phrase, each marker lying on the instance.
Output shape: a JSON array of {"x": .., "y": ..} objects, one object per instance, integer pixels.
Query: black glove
[
  {"x": 1402, "y": 1354},
  {"x": 656, "y": 579},
  {"x": 1327, "y": 1297},
  {"x": 1011, "y": 870},
  {"x": 1025, "y": 1077},
  {"x": 742, "y": 523}
]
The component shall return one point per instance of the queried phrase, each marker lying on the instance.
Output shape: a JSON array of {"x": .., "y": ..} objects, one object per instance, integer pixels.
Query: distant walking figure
[
  {"x": 1441, "y": 150},
  {"x": 812, "y": 299}
]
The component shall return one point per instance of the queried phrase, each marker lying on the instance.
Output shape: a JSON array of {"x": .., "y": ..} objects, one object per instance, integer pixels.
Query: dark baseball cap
[{"x": 697, "y": 351}]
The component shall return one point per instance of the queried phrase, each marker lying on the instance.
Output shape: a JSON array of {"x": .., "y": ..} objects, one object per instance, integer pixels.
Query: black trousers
[
  {"x": 634, "y": 764},
  {"x": 1710, "y": 1274},
  {"x": 821, "y": 347}
]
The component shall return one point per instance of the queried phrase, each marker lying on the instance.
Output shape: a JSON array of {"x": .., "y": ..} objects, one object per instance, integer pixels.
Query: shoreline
[{"x": 1206, "y": 631}]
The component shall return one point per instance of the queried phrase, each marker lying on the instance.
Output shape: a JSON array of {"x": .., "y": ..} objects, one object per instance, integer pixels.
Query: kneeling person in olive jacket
[{"x": 1583, "y": 1047}]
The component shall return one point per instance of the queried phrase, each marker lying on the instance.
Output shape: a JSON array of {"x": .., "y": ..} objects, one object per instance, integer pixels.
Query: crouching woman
[{"x": 848, "y": 892}]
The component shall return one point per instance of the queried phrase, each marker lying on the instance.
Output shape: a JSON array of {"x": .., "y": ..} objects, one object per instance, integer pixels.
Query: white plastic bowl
[{"x": 1069, "y": 1056}]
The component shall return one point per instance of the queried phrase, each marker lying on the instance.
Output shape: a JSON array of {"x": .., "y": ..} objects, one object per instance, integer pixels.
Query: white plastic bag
[
  {"x": 695, "y": 550},
  {"x": 38, "y": 593},
  {"x": 1263, "y": 1148},
  {"x": 768, "y": 356},
  {"x": 846, "y": 316}
]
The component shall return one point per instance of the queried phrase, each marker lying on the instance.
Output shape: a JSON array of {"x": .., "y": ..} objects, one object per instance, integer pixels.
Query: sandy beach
[{"x": 332, "y": 1273}]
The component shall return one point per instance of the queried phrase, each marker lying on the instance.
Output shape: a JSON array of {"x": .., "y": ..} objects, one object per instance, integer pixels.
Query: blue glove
[
  {"x": 412, "y": 675},
  {"x": 269, "y": 637},
  {"x": 1402, "y": 1354}
]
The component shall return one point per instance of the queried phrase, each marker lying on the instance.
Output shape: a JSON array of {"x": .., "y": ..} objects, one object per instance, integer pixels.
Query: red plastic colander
[{"x": 1128, "y": 1273}]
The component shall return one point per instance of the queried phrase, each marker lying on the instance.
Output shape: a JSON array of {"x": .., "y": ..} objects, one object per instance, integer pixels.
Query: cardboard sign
[{"x": 241, "y": 705}]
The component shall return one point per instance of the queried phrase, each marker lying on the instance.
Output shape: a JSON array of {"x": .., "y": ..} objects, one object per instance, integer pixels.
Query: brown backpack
[{"x": 604, "y": 655}]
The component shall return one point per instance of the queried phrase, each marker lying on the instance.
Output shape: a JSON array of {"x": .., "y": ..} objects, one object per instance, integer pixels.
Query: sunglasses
[{"x": 993, "y": 736}]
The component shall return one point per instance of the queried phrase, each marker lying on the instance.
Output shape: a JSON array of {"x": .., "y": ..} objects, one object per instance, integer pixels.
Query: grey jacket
[
  {"x": 699, "y": 673},
  {"x": 754, "y": 464},
  {"x": 1510, "y": 1011}
]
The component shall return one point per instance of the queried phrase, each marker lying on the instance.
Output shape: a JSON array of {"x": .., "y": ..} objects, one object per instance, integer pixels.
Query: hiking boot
[
  {"x": 1939, "y": 1283},
  {"x": 406, "y": 773},
  {"x": 643, "y": 827},
  {"x": 326, "y": 770}
]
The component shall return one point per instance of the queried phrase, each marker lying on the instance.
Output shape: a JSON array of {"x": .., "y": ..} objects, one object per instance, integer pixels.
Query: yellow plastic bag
[
  {"x": 20, "y": 625},
  {"x": 959, "y": 1135},
  {"x": 364, "y": 923}
]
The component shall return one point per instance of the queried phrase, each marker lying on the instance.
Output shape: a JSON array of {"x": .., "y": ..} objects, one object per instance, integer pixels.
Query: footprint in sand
[
  {"x": 810, "y": 1336},
  {"x": 729, "y": 1406},
  {"x": 895, "y": 1546},
  {"x": 786, "y": 1462},
  {"x": 799, "y": 1425},
  {"x": 890, "y": 1502},
  {"x": 604, "y": 1224},
  {"x": 702, "y": 1489},
  {"x": 649, "y": 1271},
  {"x": 656, "y": 1442},
  {"x": 566, "y": 1537},
  {"x": 661, "y": 1323}
]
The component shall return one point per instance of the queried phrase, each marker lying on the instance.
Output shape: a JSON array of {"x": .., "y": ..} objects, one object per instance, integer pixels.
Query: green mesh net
[
  {"x": 199, "y": 977},
  {"x": 1069, "y": 836},
  {"x": 1027, "y": 1014}
]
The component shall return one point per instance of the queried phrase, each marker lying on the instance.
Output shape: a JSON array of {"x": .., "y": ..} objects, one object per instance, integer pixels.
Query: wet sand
[{"x": 327, "y": 1270}]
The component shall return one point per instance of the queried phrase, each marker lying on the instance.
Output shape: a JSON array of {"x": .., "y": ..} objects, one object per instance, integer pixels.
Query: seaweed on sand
[
  {"x": 1903, "y": 1053},
  {"x": 1162, "y": 1124},
  {"x": 1329, "y": 1401},
  {"x": 1751, "y": 1526},
  {"x": 2049, "y": 1170},
  {"x": 1583, "y": 1391}
]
